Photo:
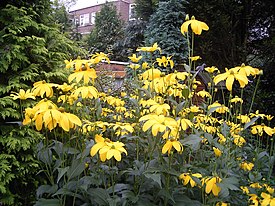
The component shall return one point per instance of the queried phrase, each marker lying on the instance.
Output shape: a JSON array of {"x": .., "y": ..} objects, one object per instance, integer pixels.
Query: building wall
[{"x": 123, "y": 7}]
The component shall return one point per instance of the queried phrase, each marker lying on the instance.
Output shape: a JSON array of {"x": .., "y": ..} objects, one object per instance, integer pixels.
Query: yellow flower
[
  {"x": 42, "y": 87},
  {"x": 254, "y": 199},
  {"x": 158, "y": 123},
  {"x": 165, "y": 61},
  {"x": 221, "y": 139},
  {"x": 258, "y": 129},
  {"x": 196, "y": 26},
  {"x": 85, "y": 92},
  {"x": 65, "y": 87},
  {"x": 98, "y": 57},
  {"x": 255, "y": 185},
  {"x": 145, "y": 65},
  {"x": 113, "y": 149},
  {"x": 217, "y": 152},
  {"x": 222, "y": 204},
  {"x": 230, "y": 75},
  {"x": 23, "y": 95},
  {"x": 203, "y": 94},
  {"x": 195, "y": 58},
  {"x": 100, "y": 143},
  {"x": 88, "y": 74},
  {"x": 134, "y": 66},
  {"x": 151, "y": 74},
  {"x": 236, "y": 100},
  {"x": 244, "y": 118},
  {"x": 68, "y": 121},
  {"x": 248, "y": 70},
  {"x": 211, "y": 69},
  {"x": 268, "y": 200},
  {"x": 160, "y": 109},
  {"x": 187, "y": 178},
  {"x": 244, "y": 189},
  {"x": 172, "y": 143},
  {"x": 239, "y": 140},
  {"x": 69, "y": 64},
  {"x": 211, "y": 185},
  {"x": 185, "y": 123},
  {"x": 218, "y": 107},
  {"x": 150, "y": 49},
  {"x": 246, "y": 166},
  {"x": 134, "y": 58}
]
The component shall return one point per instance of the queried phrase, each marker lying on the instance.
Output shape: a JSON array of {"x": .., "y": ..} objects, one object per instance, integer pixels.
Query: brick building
[{"x": 84, "y": 17}]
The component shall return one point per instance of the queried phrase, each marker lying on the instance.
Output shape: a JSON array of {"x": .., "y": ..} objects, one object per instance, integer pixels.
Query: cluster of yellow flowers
[{"x": 197, "y": 179}]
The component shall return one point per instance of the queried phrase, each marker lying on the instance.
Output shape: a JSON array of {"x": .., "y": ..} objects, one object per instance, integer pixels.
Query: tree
[
  {"x": 107, "y": 32},
  {"x": 164, "y": 28},
  {"x": 145, "y": 8},
  {"x": 240, "y": 32},
  {"x": 32, "y": 47}
]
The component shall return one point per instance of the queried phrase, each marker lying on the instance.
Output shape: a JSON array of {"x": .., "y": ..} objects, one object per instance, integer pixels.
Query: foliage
[
  {"x": 145, "y": 8},
  {"x": 31, "y": 47},
  {"x": 163, "y": 28},
  {"x": 166, "y": 141},
  {"x": 107, "y": 31}
]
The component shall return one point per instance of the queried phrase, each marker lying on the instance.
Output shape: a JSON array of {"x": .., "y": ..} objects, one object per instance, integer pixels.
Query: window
[
  {"x": 93, "y": 14},
  {"x": 132, "y": 13},
  {"x": 84, "y": 19}
]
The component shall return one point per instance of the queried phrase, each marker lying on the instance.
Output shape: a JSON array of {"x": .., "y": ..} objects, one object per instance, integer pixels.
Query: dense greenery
[
  {"x": 32, "y": 47},
  {"x": 164, "y": 28},
  {"x": 107, "y": 32}
]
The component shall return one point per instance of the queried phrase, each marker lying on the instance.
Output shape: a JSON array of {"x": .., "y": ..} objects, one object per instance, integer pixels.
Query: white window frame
[
  {"x": 84, "y": 19},
  {"x": 132, "y": 12},
  {"x": 93, "y": 15}
]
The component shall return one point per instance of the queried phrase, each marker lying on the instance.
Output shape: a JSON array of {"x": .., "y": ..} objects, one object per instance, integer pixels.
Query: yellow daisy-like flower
[
  {"x": 222, "y": 204},
  {"x": 42, "y": 88},
  {"x": 134, "y": 66},
  {"x": 158, "y": 123},
  {"x": 89, "y": 74},
  {"x": 85, "y": 92},
  {"x": 218, "y": 107},
  {"x": 100, "y": 143},
  {"x": 211, "y": 185},
  {"x": 98, "y": 57},
  {"x": 211, "y": 69},
  {"x": 113, "y": 149},
  {"x": 23, "y": 95},
  {"x": 268, "y": 200},
  {"x": 195, "y": 58},
  {"x": 230, "y": 75},
  {"x": 246, "y": 166},
  {"x": 185, "y": 123},
  {"x": 68, "y": 121},
  {"x": 160, "y": 109},
  {"x": 151, "y": 74},
  {"x": 196, "y": 26},
  {"x": 217, "y": 152},
  {"x": 134, "y": 58},
  {"x": 236, "y": 100},
  {"x": 172, "y": 143},
  {"x": 244, "y": 118},
  {"x": 65, "y": 87},
  {"x": 165, "y": 61},
  {"x": 203, "y": 94},
  {"x": 187, "y": 178},
  {"x": 259, "y": 129},
  {"x": 150, "y": 49}
]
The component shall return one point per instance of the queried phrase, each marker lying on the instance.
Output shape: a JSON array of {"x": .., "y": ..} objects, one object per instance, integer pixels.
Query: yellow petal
[{"x": 229, "y": 82}]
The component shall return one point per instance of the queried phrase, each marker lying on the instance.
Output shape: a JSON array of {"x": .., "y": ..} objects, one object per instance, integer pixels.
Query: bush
[{"x": 151, "y": 144}]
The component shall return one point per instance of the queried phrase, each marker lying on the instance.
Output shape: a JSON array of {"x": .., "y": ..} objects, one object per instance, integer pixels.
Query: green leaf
[
  {"x": 61, "y": 172},
  {"x": 192, "y": 140},
  {"x": 154, "y": 176},
  {"x": 248, "y": 124},
  {"x": 49, "y": 189},
  {"x": 75, "y": 169},
  {"x": 99, "y": 195},
  {"x": 48, "y": 202}
]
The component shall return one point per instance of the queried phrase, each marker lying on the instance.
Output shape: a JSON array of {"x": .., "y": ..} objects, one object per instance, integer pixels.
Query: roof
[{"x": 81, "y": 4}]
